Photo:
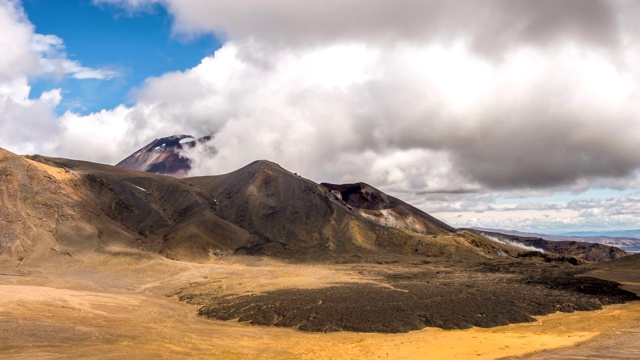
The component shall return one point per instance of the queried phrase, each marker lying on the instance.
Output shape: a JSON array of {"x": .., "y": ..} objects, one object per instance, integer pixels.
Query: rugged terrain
[
  {"x": 122, "y": 305},
  {"x": 588, "y": 251},
  {"x": 400, "y": 297},
  {"x": 627, "y": 240},
  {"x": 258, "y": 209},
  {"x": 94, "y": 260}
]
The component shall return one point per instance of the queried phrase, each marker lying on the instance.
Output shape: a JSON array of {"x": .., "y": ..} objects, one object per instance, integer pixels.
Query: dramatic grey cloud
[
  {"x": 490, "y": 26},
  {"x": 332, "y": 110},
  {"x": 447, "y": 104},
  {"x": 497, "y": 94}
]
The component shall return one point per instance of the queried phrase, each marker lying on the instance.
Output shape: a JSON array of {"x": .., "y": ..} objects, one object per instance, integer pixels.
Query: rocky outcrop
[{"x": 387, "y": 210}]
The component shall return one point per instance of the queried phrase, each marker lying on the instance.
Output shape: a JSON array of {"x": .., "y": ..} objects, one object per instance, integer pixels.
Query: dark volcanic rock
[
  {"x": 410, "y": 301},
  {"x": 386, "y": 210},
  {"x": 163, "y": 156},
  {"x": 363, "y": 196},
  {"x": 55, "y": 208}
]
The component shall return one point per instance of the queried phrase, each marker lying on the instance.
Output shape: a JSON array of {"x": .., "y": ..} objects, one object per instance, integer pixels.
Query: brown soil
[
  {"x": 112, "y": 306},
  {"x": 619, "y": 339},
  {"x": 81, "y": 274}
]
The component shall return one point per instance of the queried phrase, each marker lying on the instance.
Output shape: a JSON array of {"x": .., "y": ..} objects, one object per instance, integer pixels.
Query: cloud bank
[
  {"x": 461, "y": 97},
  {"x": 415, "y": 95}
]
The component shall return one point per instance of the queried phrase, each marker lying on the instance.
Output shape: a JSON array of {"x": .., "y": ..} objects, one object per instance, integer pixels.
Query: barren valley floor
[{"x": 120, "y": 306}]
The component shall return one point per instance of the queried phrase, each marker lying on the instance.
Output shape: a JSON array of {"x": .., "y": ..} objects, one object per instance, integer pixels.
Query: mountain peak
[
  {"x": 264, "y": 163},
  {"x": 164, "y": 156}
]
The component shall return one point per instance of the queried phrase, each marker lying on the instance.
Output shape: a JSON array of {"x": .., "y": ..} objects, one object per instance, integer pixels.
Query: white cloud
[
  {"x": 619, "y": 212},
  {"x": 26, "y": 125},
  {"x": 101, "y": 137},
  {"x": 29, "y": 124},
  {"x": 490, "y": 25},
  {"x": 15, "y": 38},
  {"x": 416, "y": 97},
  {"x": 433, "y": 116},
  {"x": 52, "y": 60}
]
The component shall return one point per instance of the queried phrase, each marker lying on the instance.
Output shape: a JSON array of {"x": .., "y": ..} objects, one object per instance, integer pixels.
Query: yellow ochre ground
[{"x": 111, "y": 307}]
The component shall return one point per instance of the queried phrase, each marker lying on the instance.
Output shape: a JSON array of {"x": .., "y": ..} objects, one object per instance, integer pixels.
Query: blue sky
[
  {"x": 519, "y": 115},
  {"x": 134, "y": 45}
]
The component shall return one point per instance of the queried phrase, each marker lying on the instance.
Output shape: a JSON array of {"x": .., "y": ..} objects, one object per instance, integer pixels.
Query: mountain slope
[
  {"x": 43, "y": 213},
  {"x": 66, "y": 206},
  {"x": 290, "y": 215},
  {"x": 387, "y": 210},
  {"x": 97, "y": 226},
  {"x": 258, "y": 209},
  {"x": 163, "y": 156}
]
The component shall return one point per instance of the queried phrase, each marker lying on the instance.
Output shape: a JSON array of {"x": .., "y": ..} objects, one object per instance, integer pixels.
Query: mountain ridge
[
  {"x": 102, "y": 226},
  {"x": 628, "y": 244},
  {"x": 588, "y": 251},
  {"x": 260, "y": 208}
]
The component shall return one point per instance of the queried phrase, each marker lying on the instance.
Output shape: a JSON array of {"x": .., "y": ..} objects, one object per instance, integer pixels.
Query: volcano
[
  {"x": 373, "y": 263},
  {"x": 258, "y": 209},
  {"x": 164, "y": 156}
]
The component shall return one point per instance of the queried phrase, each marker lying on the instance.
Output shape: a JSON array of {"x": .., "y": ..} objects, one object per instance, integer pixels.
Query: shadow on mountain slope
[{"x": 419, "y": 271}]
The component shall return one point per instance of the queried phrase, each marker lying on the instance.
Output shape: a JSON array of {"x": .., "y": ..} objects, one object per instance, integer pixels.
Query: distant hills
[
  {"x": 628, "y": 243},
  {"x": 164, "y": 156},
  {"x": 588, "y": 251},
  {"x": 634, "y": 234}
]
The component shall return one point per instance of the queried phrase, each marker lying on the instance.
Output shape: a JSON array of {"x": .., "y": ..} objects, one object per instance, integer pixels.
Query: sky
[{"x": 510, "y": 114}]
